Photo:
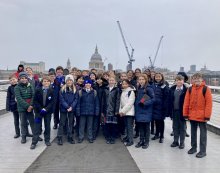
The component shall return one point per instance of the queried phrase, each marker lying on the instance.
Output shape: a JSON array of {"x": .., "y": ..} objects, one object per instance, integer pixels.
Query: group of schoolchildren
[{"x": 85, "y": 101}]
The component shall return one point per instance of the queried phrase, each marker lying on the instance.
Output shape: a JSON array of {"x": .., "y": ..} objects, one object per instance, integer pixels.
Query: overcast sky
[{"x": 55, "y": 30}]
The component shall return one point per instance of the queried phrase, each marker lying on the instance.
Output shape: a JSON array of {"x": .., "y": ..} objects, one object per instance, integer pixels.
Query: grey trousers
[
  {"x": 85, "y": 120},
  {"x": 24, "y": 117},
  {"x": 179, "y": 127},
  {"x": 66, "y": 120},
  {"x": 203, "y": 135}
]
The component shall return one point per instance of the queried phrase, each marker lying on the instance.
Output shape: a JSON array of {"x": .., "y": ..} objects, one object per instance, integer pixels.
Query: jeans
[{"x": 128, "y": 120}]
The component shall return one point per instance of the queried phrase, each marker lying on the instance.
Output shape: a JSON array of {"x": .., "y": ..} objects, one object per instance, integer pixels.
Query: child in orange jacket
[{"x": 198, "y": 109}]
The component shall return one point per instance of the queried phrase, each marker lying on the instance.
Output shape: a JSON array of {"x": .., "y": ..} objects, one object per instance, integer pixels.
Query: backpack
[
  {"x": 203, "y": 90},
  {"x": 95, "y": 93}
]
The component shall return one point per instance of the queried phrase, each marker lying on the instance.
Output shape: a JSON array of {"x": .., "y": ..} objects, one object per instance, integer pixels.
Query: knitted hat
[
  {"x": 69, "y": 77},
  {"x": 87, "y": 82},
  {"x": 23, "y": 74}
]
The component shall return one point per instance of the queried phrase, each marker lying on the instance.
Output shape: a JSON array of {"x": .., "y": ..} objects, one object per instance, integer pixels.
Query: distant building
[
  {"x": 4, "y": 74},
  {"x": 193, "y": 68},
  {"x": 68, "y": 64},
  {"x": 182, "y": 69},
  {"x": 110, "y": 67},
  {"x": 96, "y": 61},
  {"x": 36, "y": 67}
]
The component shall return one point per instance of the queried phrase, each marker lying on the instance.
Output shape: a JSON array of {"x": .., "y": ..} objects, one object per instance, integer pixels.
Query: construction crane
[
  {"x": 155, "y": 57},
  {"x": 130, "y": 55}
]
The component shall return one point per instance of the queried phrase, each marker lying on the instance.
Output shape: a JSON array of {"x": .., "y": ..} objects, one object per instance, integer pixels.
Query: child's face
[
  {"x": 130, "y": 74},
  {"x": 59, "y": 72},
  {"x": 69, "y": 83},
  {"x": 112, "y": 81},
  {"x": 137, "y": 73},
  {"x": 46, "y": 83},
  {"x": 106, "y": 77},
  {"x": 80, "y": 81},
  {"x": 52, "y": 77},
  {"x": 13, "y": 81},
  {"x": 123, "y": 76},
  {"x": 99, "y": 81},
  {"x": 92, "y": 77},
  {"x": 179, "y": 83},
  {"x": 125, "y": 85},
  {"x": 88, "y": 86},
  {"x": 29, "y": 72},
  {"x": 197, "y": 81},
  {"x": 141, "y": 81},
  {"x": 158, "y": 78},
  {"x": 152, "y": 74},
  {"x": 23, "y": 80},
  {"x": 85, "y": 73}
]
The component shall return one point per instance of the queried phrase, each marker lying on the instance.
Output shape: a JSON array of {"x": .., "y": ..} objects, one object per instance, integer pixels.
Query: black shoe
[
  {"x": 108, "y": 141},
  {"x": 136, "y": 135},
  {"x": 71, "y": 140},
  {"x": 59, "y": 141},
  {"x": 90, "y": 140},
  {"x": 182, "y": 145},
  {"x": 48, "y": 143},
  {"x": 161, "y": 140},
  {"x": 29, "y": 135},
  {"x": 200, "y": 154},
  {"x": 55, "y": 126},
  {"x": 112, "y": 141},
  {"x": 139, "y": 144},
  {"x": 171, "y": 134},
  {"x": 16, "y": 136},
  {"x": 125, "y": 139},
  {"x": 23, "y": 140},
  {"x": 155, "y": 137},
  {"x": 192, "y": 151},
  {"x": 40, "y": 139},
  {"x": 145, "y": 145},
  {"x": 187, "y": 135},
  {"x": 128, "y": 144},
  {"x": 174, "y": 144},
  {"x": 33, "y": 146},
  {"x": 80, "y": 141}
]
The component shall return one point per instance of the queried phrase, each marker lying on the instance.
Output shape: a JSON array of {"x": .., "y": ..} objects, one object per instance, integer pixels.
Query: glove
[
  {"x": 207, "y": 119},
  {"x": 43, "y": 112},
  {"x": 37, "y": 120},
  {"x": 186, "y": 117},
  {"x": 141, "y": 104}
]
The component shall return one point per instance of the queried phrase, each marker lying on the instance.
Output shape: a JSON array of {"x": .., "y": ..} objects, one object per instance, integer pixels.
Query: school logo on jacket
[{"x": 49, "y": 98}]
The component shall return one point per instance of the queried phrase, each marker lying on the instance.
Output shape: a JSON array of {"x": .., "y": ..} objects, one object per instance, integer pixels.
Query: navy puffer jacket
[
  {"x": 88, "y": 103},
  {"x": 68, "y": 99},
  {"x": 160, "y": 107},
  {"x": 143, "y": 112}
]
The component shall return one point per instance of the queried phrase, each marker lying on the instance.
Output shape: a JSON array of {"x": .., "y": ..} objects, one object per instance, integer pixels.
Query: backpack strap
[
  {"x": 80, "y": 93},
  {"x": 204, "y": 89},
  {"x": 129, "y": 93}
]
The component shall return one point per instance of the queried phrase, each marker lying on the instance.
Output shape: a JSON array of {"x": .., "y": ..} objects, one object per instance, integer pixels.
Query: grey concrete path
[
  {"x": 14, "y": 156},
  {"x": 162, "y": 158}
]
